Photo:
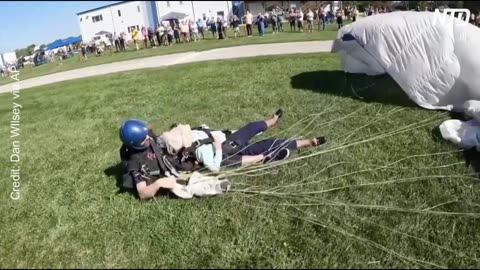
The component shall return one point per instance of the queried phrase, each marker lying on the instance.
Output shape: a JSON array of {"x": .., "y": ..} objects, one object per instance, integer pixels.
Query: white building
[
  {"x": 120, "y": 17},
  {"x": 9, "y": 58},
  {"x": 117, "y": 17},
  {"x": 256, "y": 7},
  {"x": 194, "y": 9}
]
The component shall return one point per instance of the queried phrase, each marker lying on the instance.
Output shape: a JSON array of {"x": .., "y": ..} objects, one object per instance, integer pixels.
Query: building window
[
  {"x": 97, "y": 18},
  {"x": 138, "y": 8},
  {"x": 168, "y": 3},
  {"x": 181, "y": 2},
  {"x": 119, "y": 13}
]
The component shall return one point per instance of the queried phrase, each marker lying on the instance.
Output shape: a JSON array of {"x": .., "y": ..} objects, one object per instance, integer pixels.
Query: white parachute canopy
[{"x": 434, "y": 59}]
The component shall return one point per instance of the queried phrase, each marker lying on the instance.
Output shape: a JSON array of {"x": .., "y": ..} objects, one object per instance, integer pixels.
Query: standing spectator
[
  {"x": 310, "y": 20},
  {"x": 354, "y": 14},
  {"x": 266, "y": 19},
  {"x": 292, "y": 18},
  {"x": 300, "y": 20},
  {"x": 144, "y": 36},
  {"x": 117, "y": 41},
  {"x": 340, "y": 18},
  {"x": 225, "y": 26},
  {"x": 135, "y": 37},
  {"x": 274, "y": 21},
  {"x": 260, "y": 24},
  {"x": 346, "y": 12},
  {"x": 248, "y": 21},
  {"x": 158, "y": 33},
  {"x": 170, "y": 35},
  {"x": 194, "y": 29},
  {"x": 280, "y": 18},
  {"x": 184, "y": 29},
  {"x": 321, "y": 18},
  {"x": 176, "y": 32},
  {"x": 123, "y": 46},
  {"x": 111, "y": 41},
  {"x": 163, "y": 32},
  {"x": 84, "y": 52},
  {"x": 201, "y": 27},
  {"x": 235, "y": 25},
  {"x": 151, "y": 35},
  {"x": 213, "y": 27},
  {"x": 220, "y": 29}
]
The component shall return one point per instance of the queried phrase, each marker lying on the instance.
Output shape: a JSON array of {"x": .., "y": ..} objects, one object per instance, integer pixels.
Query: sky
[{"x": 25, "y": 23}]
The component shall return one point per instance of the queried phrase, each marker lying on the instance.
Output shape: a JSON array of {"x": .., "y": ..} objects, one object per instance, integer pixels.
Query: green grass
[
  {"x": 207, "y": 44},
  {"x": 70, "y": 214}
]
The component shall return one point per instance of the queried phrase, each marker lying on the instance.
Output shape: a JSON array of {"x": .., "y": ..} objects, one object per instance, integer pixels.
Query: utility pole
[
  {"x": 193, "y": 11},
  {"x": 113, "y": 23}
]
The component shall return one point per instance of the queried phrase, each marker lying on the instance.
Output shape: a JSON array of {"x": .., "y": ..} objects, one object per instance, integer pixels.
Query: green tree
[
  {"x": 22, "y": 52},
  {"x": 30, "y": 48}
]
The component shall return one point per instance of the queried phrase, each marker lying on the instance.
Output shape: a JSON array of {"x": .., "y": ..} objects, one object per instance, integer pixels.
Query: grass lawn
[
  {"x": 207, "y": 44},
  {"x": 385, "y": 203}
]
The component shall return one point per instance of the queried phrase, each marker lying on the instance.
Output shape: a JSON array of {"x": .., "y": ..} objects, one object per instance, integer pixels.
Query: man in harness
[
  {"x": 148, "y": 166},
  {"x": 142, "y": 158}
]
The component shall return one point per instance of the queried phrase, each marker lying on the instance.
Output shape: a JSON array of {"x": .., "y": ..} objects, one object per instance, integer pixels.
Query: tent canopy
[
  {"x": 104, "y": 33},
  {"x": 174, "y": 16},
  {"x": 63, "y": 42}
]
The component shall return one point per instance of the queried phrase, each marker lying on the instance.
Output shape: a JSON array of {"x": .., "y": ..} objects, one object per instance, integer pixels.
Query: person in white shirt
[
  {"x": 194, "y": 31},
  {"x": 300, "y": 20},
  {"x": 310, "y": 20}
]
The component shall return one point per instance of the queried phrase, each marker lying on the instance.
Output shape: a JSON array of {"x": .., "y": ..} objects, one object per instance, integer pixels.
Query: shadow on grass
[
  {"x": 379, "y": 89},
  {"x": 117, "y": 172},
  {"x": 372, "y": 89}
]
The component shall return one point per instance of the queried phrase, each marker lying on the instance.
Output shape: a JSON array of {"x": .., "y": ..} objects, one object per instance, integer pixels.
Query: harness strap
[{"x": 159, "y": 158}]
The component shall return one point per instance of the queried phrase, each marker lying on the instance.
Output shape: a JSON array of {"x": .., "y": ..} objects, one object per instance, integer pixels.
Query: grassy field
[
  {"x": 404, "y": 200},
  {"x": 207, "y": 44}
]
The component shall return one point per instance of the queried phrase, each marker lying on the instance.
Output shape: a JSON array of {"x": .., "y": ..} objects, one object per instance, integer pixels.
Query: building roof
[{"x": 102, "y": 7}]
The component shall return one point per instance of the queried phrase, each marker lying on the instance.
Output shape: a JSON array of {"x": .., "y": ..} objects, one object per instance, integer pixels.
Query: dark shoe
[
  {"x": 281, "y": 154},
  {"x": 279, "y": 113},
  {"x": 319, "y": 141}
]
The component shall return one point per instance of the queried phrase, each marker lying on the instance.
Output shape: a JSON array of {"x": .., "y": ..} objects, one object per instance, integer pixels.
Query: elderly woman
[{"x": 216, "y": 152}]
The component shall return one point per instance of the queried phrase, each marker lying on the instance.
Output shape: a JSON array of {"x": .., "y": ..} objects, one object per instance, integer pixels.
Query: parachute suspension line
[{"x": 275, "y": 164}]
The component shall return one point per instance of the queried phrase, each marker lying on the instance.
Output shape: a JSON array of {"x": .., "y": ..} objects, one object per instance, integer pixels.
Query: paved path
[{"x": 173, "y": 59}]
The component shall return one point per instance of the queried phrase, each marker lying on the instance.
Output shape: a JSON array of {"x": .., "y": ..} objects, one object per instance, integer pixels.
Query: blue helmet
[{"x": 133, "y": 133}]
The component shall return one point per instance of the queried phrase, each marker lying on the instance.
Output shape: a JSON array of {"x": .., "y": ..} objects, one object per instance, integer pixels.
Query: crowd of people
[{"x": 186, "y": 30}]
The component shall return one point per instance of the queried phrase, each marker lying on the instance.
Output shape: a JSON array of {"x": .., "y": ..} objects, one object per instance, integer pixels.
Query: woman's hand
[{"x": 217, "y": 142}]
